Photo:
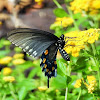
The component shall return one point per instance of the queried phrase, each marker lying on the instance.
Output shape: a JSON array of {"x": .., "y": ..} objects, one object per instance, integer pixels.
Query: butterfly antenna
[{"x": 48, "y": 82}]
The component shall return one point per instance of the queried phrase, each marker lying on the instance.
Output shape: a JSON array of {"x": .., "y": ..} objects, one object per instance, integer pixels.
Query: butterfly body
[{"x": 36, "y": 42}]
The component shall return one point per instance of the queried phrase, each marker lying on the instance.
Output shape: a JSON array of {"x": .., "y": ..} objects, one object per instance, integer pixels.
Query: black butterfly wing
[
  {"x": 48, "y": 61},
  {"x": 32, "y": 41},
  {"x": 64, "y": 54}
]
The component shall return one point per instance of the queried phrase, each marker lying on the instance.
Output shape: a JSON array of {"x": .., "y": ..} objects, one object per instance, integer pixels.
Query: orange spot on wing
[
  {"x": 45, "y": 65},
  {"x": 44, "y": 60},
  {"x": 55, "y": 62},
  {"x": 47, "y": 70},
  {"x": 53, "y": 68},
  {"x": 46, "y": 52}
]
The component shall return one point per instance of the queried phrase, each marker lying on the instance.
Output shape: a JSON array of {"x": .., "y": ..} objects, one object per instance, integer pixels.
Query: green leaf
[
  {"x": 33, "y": 72},
  {"x": 22, "y": 93},
  {"x": 59, "y": 12},
  {"x": 28, "y": 83},
  {"x": 59, "y": 82},
  {"x": 77, "y": 15},
  {"x": 98, "y": 47},
  {"x": 53, "y": 26},
  {"x": 17, "y": 49},
  {"x": 61, "y": 68},
  {"x": 80, "y": 65},
  {"x": 4, "y": 52},
  {"x": 25, "y": 65},
  {"x": 1, "y": 42},
  {"x": 81, "y": 20},
  {"x": 68, "y": 80}
]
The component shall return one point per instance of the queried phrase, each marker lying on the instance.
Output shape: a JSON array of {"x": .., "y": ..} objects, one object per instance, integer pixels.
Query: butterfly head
[
  {"x": 61, "y": 37},
  {"x": 61, "y": 42}
]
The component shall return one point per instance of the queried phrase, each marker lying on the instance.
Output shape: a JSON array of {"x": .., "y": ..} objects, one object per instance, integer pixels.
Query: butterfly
[{"x": 36, "y": 42}]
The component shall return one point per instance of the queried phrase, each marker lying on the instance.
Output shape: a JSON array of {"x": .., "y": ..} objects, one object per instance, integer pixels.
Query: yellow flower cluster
[
  {"x": 7, "y": 71},
  {"x": 42, "y": 88},
  {"x": 9, "y": 78},
  {"x": 76, "y": 40},
  {"x": 5, "y": 60},
  {"x": 65, "y": 21},
  {"x": 91, "y": 85},
  {"x": 19, "y": 55},
  {"x": 85, "y": 5},
  {"x": 78, "y": 83},
  {"x": 39, "y": 1},
  {"x": 18, "y": 61}
]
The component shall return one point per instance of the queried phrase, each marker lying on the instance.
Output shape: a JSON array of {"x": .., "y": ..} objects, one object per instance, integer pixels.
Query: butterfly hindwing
[
  {"x": 48, "y": 63},
  {"x": 32, "y": 41}
]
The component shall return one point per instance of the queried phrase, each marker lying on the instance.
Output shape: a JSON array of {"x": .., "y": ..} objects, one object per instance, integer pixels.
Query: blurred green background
[{"x": 21, "y": 77}]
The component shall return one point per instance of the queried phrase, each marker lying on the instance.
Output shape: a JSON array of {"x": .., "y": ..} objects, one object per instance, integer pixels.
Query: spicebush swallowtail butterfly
[{"x": 36, "y": 42}]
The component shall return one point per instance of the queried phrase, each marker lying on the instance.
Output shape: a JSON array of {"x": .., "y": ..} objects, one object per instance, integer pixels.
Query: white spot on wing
[
  {"x": 23, "y": 45},
  {"x": 27, "y": 47},
  {"x": 30, "y": 50},
  {"x": 34, "y": 53}
]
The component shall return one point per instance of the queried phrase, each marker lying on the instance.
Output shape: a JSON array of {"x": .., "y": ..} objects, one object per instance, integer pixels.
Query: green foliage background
[{"x": 29, "y": 77}]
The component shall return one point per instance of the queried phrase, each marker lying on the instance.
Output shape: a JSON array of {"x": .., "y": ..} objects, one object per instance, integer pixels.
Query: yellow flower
[
  {"x": 7, "y": 71},
  {"x": 65, "y": 21},
  {"x": 96, "y": 4},
  {"x": 78, "y": 83},
  {"x": 8, "y": 78},
  {"x": 42, "y": 88},
  {"x": 5, "y": 60},
  {"x": 18, "y": 61},
  {"x": 92, "y": 84},
  {"x": 20, "y": 55},
  {"x": 78, "y": 6},
  {"x": 78, "y": 39},
  {"x": 91, "y": 79},
  {"x": 39, "y": 1},
  {"x": 57, "y": 90},
  {"x": 93, "y": 12}
]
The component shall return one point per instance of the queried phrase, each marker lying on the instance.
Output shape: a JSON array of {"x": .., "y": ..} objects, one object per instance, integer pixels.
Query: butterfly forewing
[{"x": 32, "y": 41}]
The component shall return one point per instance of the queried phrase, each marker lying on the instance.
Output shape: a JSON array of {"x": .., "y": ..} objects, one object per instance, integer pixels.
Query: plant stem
[
  {"x": 99, "y": 76},
  {"x": 97, "y": 64},
  {"x": 13, "y": 95},
  {"x": 79, "y": 94},
  {"x": 57, "y": 4},
  {"x": 66, "y": 93},
  {"x": 12, "y": 91},
  {"x": 4, "y": 96},
  {"x": 93, "y": 48},
  {"x": 94, "y": 97},
  {"x": 71, "y": 15},
  {"x": 69, "y": 72},
  {"x": 69, "y": 69}
]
